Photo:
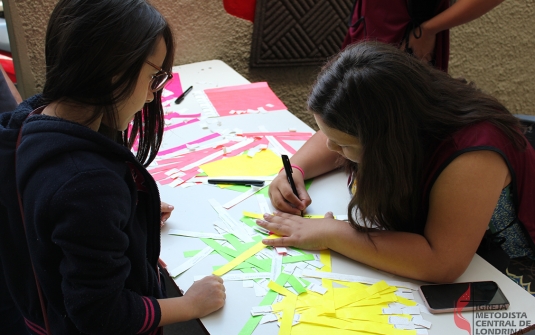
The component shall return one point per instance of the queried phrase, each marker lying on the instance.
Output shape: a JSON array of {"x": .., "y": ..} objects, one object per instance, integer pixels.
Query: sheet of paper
[
  {"x": 264, "y": 163},
  {"x": 243, "y": 98}
]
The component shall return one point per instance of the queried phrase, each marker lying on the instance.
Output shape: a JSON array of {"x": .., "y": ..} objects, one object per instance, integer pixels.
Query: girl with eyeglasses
[{"x": 80, "y": 232}]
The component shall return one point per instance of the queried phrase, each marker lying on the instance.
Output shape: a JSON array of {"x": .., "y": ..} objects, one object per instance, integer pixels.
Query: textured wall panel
[{"x": 298, "y": 32}]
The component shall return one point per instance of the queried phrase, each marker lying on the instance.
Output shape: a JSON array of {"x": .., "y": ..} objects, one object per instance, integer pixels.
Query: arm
[
  {"x": 462, "y": 201},
  {"x": 9, "y": 96},
  {"x": 99, "y": 257},
  {"x": 315, "y": 159},
  {"x": 203, "y": 297},
  {"x": 461, "y": 12}
]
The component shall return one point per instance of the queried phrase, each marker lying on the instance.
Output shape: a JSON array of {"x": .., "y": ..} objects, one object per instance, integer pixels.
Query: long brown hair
[{"x": 399, "y": 108}]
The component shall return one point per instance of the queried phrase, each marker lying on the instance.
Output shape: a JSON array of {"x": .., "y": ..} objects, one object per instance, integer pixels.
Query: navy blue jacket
[{"x": 93, "y": 232}]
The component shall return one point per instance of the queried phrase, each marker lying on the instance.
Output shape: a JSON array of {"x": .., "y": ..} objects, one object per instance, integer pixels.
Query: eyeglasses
[{"x": 159, "y": 80}]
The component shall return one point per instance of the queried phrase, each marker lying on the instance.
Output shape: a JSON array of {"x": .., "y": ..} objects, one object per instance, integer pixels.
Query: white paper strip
[
  {"x": 258, "y": 310},
  {"x": 289, "y": 269},
  {"x": 392, "y": 311},
  {"x": 276, "y": 266},
  {"x": 195, "y": 234},
  {"x": 245, "y": 195},
  {"x": 413, "y": 310},
  {"x": 406, "y": 295},
  {"x": 190, "y": 262},
  {"x": 418, "y": 320},
  {"x": 397, "y": 320},
  {"x": 259, "y": 290},
  {"x": 262, "y": 203},
  {"x": 235, "y": 226},
  {"x": 246, "y": 276},
  {"x": 317, "y": 288},
  {"x": 248, "y": 283},
  {"x": 358, "y": 279},
  {"x": 268, "y": 318},
  {"x": 315, "y": 264},
  {"x": 277, "y": 147}
]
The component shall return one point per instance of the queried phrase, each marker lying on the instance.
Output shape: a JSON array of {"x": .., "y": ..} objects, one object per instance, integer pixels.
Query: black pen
[
  {"x": 183, "y": 95},
  {"x": 289, "y": 171},
  {"x": 246, "y": 182}
]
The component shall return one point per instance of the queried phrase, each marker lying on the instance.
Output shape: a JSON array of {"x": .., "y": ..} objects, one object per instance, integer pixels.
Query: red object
[
  {"x": 244, "y": 9},
  {"x": 7, "y": 63}
]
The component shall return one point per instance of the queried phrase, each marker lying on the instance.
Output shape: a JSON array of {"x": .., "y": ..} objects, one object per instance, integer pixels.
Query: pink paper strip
[
  {"x": 243, "y": 97},
  {"x": 183, "y": 146},
  {"x": 173, "y": 115},
  {"x": 181, "y": 124},
  {"x": 287, "y": 146},
  {"x": 280, "y": 133}
]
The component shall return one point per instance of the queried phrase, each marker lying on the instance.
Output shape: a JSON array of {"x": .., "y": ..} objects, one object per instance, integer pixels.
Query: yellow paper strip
[
  {"x": 406, "y": 301},
  {"x": 242, "y": 257},
  {"x": 253, "y": 215},
  {"x": 288, "y": 314},
  {"x": 279, "y": 289},
  {"x": 329, "y": 305}
]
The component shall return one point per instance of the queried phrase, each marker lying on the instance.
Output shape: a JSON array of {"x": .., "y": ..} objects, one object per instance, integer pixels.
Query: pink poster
[{"x": 243, "y": 98}]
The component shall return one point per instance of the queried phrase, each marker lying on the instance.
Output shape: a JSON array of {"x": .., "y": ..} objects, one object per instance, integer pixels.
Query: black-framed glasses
[{"x": 159, "y": 80}]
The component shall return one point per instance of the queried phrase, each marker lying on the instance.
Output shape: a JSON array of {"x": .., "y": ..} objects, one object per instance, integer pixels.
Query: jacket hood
[{"x": 45, "y": 137}]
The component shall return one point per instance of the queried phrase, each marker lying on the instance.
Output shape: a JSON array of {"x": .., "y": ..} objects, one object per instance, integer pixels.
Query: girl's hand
[
  {"x": 282, "y": 196},
  {"x": 165, "y": 211},
  {"x": 298, "y": 232},
  {"x": 424, "y": 46},
  {"x": 206, "y": 296}
]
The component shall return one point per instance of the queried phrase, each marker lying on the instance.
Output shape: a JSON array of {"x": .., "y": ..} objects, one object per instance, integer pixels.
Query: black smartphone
[{"x": 443, "y": 298}]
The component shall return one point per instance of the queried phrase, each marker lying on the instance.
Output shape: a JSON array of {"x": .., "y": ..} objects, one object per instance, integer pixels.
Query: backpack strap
[{"x": 41, "y": 298}]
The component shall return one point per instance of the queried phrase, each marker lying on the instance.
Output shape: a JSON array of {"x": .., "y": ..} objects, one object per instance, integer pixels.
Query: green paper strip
[
  {"x": 253, "y": 321},
  {"x": 263, "y": 265},
  {"x": 296, "y": 285}
]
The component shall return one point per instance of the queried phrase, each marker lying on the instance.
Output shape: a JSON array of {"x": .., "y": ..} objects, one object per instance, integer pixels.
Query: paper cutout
[
  {"x": 183, "y": 146},
  {"x": 190, "y": 262},
  {"x": 241, "y": 258},
  {"x": 243, "y": 97},
  {"x": 264, "y": 163},
  {"x": 195, "y": 234}
]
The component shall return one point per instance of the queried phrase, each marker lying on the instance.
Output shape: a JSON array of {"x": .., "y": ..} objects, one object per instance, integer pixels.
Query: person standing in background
[{"x": 419, "y": 27}]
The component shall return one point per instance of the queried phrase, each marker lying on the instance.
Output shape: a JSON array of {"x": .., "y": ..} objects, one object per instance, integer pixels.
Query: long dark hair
[
  {"x": 95, "y": 50},
  {"x": 399, "y": 108}
]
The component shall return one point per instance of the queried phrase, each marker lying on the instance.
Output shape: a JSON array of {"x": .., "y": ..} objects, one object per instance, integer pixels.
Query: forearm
[
  {"x": 461, "y": 12},
  {"x": 177, "y": 309},
  {"x": 404, "y": 254},
  {"x": 14, "y": 92},
  {"x": 315, "y": 158}
]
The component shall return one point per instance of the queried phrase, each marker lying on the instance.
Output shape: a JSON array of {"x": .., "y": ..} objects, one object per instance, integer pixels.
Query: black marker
[
  {"x": 289, "y": 171},
  {"x": 183, "y": 95},
  {"x": 246, "y": 182}
]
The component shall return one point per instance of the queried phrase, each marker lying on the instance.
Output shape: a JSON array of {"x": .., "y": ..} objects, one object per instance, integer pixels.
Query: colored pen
[
  {"x": 183, "y": 95},
  {"x": 289, "y": 171},
  {"x": 247, "y": 182}
]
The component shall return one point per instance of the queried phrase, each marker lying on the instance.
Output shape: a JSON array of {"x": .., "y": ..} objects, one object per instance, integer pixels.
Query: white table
[{"x": 329, "y": 193}]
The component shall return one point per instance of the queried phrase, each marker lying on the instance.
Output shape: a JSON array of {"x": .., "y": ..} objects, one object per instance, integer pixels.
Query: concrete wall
[{"x": 495, "y": 51}]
